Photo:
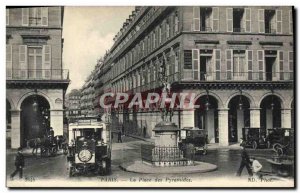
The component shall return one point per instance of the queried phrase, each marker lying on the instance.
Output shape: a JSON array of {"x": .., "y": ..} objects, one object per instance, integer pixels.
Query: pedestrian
[
  {"x": 245, "y": 162},
  {"x": 19, "y": 163},
  {"x": 120, "y": 136},
  {"x": 144, "y": 132},
  {"x": 256, "y": 167}
]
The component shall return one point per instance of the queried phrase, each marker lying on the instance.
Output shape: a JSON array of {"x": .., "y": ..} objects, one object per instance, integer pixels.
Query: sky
[{"x": 88, "y": 32}]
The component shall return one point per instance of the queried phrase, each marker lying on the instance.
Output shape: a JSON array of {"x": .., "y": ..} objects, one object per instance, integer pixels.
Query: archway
[
  {"x": 270, "y": 113},
  {"x": 206, "y": 117},
  {"x": 35, "y": 117},
  {"x": 238, "y": 117}
]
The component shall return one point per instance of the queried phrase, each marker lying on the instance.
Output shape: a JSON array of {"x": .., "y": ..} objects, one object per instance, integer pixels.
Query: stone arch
[
  {"x": 12, "y": 105},
  {"x": 22, "y": 98},
  {"x": 291, "y": 102},
  {"x": 216, "y": 96},
  {"x": 281, "y": 99},
  {"x": 246, "y": 95}
]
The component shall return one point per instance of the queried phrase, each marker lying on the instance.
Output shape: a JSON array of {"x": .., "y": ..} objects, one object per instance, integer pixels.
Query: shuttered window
[
  {"x": 8, "y": 61},
  {"x": 167, "y": 29},
  {"x": 291, "y": 64},
  {"x": 215, "y": 19},
  {"x": 47, "y": 62},
  {"x": 261, "y": 21},
  {"x": 44, "y": 16},
  {"x": 176, "y": 27},
  {"x": 247, "y": 19},
  {"x": 261, "y": 64},
  {"x": 278, "y": 21},
  {"x": 280, "y": 65},
  {"x": 23, "y": 61},
  {"x": 291, "y": 22},
  {"x": 25, "y": 16},
  {"x": 196, "y": 18},
  {"x": 195, "y": 56},
  {"x": 249, "y": 54},
  {"x": 7, "y": 16},
  {"x": 217, "y": 59},
  {"x": 229, "y": 64},
  {"x": 229, "y": 19}
]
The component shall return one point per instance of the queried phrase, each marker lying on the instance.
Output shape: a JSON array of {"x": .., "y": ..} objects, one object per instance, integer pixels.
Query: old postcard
[{"x": 150, "y": 96}]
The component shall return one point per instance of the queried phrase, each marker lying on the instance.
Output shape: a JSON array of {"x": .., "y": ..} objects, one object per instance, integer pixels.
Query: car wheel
[{"x": 254, "y": 145}]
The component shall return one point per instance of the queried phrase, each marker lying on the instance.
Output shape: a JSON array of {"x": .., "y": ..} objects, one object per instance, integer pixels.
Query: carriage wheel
[
  {"x": 43, "y": 151},
  {"x": 254, "y": 145}
]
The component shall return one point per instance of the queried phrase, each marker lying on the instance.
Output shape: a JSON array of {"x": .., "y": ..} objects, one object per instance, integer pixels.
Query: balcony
[
  {"x": 238, "y": 76},
  {"x": 37, "y": 74}
]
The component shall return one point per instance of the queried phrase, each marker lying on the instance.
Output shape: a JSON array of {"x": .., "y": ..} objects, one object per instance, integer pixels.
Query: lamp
[
  {"x": 207, "y": 101},
  {"x": 272, "y": 102},
  {"x": 240, "y": 101},
  {"x": 35, "y": 104}
]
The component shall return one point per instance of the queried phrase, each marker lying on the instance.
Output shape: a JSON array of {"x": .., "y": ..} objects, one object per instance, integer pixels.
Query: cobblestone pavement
[{"x": 46, "y": 169}]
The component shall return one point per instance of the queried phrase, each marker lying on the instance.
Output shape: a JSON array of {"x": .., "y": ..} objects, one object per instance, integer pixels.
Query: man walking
[
  {"x": 120, "y": 136},
  {"x": 245, "y": 162},
  {"x": 19, "y": 163}
]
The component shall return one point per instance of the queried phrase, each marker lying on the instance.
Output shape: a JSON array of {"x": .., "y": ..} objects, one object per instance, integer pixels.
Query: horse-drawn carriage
[{"x": 49, "y": 145}]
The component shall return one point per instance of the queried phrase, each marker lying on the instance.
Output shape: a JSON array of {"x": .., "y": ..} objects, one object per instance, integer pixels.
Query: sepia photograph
[{"x": 150, "y": 96}]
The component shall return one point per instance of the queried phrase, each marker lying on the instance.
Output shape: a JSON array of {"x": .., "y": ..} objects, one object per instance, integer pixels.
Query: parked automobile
[
  {"x": 193, "y": 136},
  {"x": 255, "y": 137}
]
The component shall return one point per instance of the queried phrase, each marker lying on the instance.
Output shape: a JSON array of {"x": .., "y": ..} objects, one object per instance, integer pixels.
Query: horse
[{"x": 35, "y": 144}]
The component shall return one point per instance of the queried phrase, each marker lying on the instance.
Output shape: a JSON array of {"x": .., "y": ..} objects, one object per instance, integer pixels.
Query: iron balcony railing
[
  {"x": 189, "y": 75},
  {"x": 37, "y": 74}
]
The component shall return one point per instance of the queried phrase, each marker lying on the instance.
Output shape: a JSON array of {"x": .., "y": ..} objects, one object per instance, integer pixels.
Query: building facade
[
  {"x": 35, "y": 79},
  {"x": 238, "y": 60},
  {"x": 72, "y": 103},
  {"x": 87, "y": 97}
]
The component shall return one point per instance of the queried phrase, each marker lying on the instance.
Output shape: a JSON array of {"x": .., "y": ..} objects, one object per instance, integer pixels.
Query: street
[{"x": 41, "y": 169}]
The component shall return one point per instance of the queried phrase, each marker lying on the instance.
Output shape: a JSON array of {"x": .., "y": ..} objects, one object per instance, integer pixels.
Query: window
[
  {"x": 291, "y": 64},
  {"x": 176, "y": 27},
  {"x": 241, "y": 20},
  {"x": 37, "y": 16},
  {"x": 187, "y": 59},
  {"x": 8, "y": 61},
  {"x": 238, "y": 62},
  {"x": 159, "y": 35},
  {"x": 229, "y": 19},
  {"x": 7, "y": 16},
  {"x": 206, "y": 19},
  {"x": 270, "y": 21},
  {"x": 167, "y": 29},
  {"x": 291, "y": 22},
  {"x": 35, "y": 62}
]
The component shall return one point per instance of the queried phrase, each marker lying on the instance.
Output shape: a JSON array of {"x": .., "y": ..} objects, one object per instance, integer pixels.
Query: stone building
[
  {"x": 87, "y": 96},
  {"x": 238, "y": 60},
  {"x": 35, "y": 79},
  {"x": 72, "y": 103}
]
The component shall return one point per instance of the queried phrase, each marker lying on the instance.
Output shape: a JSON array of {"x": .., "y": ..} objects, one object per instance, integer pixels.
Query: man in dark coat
[
  {"x": 19, "y": 163},
  {"x": 120, "y": 136},
  {"x": 245, "y": 162}
]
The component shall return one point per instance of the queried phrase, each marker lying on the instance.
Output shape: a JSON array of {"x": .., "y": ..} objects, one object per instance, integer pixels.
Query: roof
[{"x": 165, "y": 126}]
